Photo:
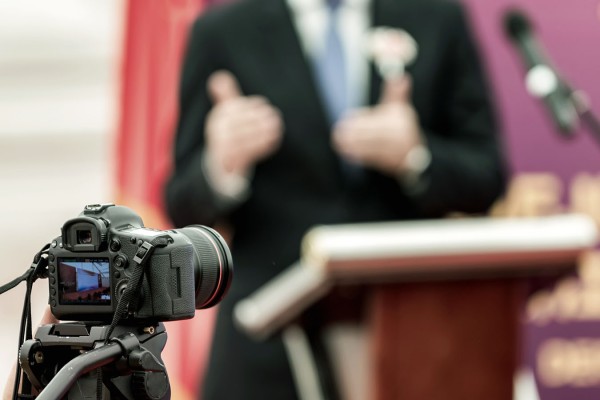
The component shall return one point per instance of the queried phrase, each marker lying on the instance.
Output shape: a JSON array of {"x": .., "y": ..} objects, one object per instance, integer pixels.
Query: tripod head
[{"x": 65, "y": 360}]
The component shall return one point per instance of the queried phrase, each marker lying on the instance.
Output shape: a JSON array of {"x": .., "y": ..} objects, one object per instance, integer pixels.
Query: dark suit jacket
[{"x": 302, "y": 185}]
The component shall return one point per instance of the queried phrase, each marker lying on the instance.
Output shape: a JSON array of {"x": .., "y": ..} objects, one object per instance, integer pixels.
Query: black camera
[
  {"x": 90, "y": 266},
  {"x": 117, "y": 281}
]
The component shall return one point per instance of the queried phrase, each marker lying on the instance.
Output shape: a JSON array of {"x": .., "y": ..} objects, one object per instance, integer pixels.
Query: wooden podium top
[{"x": 408, "y": 251}]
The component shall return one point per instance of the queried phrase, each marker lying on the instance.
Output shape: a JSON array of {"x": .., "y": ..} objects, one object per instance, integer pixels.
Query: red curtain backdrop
[{"x": 155, "y": 35}]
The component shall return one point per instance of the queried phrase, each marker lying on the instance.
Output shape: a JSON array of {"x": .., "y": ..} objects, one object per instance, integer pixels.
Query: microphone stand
[{"x": 585, "y": 113}]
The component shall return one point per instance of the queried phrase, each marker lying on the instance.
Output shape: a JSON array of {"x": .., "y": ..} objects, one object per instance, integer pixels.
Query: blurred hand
[
  {"x": 240, "y": 130},
  {"x": 530, "y": 195},
  {"x": 381, "y": 136},
  {"x": 584, "y": 195}
]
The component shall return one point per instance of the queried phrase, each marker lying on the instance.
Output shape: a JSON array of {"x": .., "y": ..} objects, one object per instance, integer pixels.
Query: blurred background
[
  {"x": 87, "y": 110},
  {"x": 58, "y": 108}
]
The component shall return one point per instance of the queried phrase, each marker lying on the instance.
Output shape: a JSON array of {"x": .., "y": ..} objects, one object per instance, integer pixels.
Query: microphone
[{"x": 541, "y": 80}]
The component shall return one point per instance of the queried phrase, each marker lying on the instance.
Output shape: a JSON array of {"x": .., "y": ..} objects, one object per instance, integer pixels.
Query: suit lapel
[
  {"x": 288, "y": 61},
  {"x": 293, "y": 89},
  {"x": 374, "y": 78}
]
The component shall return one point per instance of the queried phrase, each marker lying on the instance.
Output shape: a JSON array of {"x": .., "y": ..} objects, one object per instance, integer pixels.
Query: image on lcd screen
[{"x": 84, "y": 281}]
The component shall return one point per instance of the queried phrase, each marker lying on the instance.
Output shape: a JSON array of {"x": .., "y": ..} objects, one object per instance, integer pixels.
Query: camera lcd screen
[{"x": 84, "y": 281}]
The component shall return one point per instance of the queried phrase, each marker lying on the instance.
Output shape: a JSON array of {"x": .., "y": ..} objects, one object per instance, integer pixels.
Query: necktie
[
  {"x": 330, "y": 68},
  {"x": 331, "y": 73}
]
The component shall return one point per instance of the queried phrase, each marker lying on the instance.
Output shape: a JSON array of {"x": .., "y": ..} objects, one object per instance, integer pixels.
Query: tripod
[{"x": 68, "y": 359}]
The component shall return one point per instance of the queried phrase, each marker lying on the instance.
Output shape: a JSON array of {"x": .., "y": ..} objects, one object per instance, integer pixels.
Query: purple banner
[{"x": 562, "y": 324}]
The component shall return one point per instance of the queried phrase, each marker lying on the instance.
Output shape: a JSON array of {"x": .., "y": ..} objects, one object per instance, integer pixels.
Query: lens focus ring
[{"x": 215, "y": 265}]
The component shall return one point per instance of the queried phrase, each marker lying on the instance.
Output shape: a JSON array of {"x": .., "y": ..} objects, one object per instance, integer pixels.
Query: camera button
[
  {"x": 117, "y": 274},
  {"x": 120, "y": 261},
  {"x": 52, "y": 269},
  {"x": 115, "y": 245}
]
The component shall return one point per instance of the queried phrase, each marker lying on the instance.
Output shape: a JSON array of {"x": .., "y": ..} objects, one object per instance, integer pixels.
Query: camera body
[{"x": 90, "y": 266}]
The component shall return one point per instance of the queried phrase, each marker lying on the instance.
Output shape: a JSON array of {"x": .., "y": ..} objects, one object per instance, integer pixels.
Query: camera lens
[
  {"x": 84, "y": 237},
  {"x": 214, "y": 268}
]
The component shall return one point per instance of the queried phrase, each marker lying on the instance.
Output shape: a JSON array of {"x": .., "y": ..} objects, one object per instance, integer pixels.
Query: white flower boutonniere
[{"x": 391, "y": 50}]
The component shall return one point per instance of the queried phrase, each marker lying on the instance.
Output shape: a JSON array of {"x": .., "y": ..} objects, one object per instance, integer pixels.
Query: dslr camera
[
  {"x": 90, "y": 266},
  {"x": 118, "y": 281}
]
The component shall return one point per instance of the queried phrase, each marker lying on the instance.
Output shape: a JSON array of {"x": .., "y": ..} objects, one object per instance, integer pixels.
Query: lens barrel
[{"x": 214, "y": 267}]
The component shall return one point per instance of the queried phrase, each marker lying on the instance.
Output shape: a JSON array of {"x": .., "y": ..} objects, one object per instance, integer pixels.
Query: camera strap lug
[{"x": 143, "y": 252}]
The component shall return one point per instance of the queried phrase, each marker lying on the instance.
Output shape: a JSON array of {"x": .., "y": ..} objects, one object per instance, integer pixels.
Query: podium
[{"x": 442, "y": 299}]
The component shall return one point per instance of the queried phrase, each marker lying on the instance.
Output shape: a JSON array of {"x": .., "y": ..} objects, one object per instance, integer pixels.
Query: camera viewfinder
[{"x": 84, "y": 237}]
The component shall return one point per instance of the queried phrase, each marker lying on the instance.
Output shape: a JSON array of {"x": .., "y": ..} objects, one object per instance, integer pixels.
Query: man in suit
[{"x": 263, "y": 148}]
